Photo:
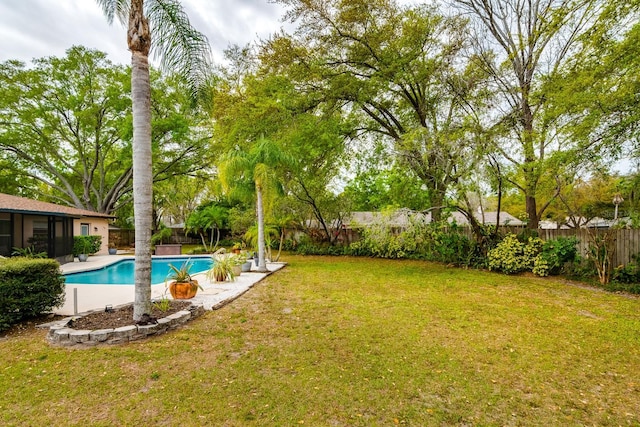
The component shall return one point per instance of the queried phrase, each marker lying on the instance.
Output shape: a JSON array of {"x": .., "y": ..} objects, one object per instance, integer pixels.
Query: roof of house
[
  {"x": 398, "y": 218},
  {"x": 23, "y": 205},
  {"x": 487, "y": 218},
  {"x": 402, "y": 218}
]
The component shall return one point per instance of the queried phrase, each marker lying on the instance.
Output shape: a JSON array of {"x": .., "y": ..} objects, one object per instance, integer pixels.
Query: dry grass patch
[{"x": 346, "y": 341}]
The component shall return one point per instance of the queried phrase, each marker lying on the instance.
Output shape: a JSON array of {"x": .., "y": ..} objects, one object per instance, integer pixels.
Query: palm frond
[
  {"x": 177, "y": 44},
  {"x": 115, "y": 8}
]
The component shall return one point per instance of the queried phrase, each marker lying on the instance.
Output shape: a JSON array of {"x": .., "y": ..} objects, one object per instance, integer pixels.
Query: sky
[{"x": 39, "y": 28}]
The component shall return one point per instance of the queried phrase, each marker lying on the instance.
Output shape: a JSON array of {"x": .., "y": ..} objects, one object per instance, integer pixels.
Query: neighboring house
[
  {"x": 47, "y": 227},
  {"x": 581, "y": 222},
  {"x": 402, "y": 217},
  {"x": 488, "y": 218}
]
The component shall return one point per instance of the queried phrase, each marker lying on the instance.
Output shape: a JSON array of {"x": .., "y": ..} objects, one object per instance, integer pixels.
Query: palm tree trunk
[
  {"x": 279, "y": 245},
  {"x": 204, "y": 241},
  {"x": 139, "y": 42},
  {"x": 262, "y": 266},
  {"x": 217, "y": 238}
]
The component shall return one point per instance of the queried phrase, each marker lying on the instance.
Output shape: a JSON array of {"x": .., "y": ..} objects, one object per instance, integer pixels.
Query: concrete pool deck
[{"x": 83, "y": 298}]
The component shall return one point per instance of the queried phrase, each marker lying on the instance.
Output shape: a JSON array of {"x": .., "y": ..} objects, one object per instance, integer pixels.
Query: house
[
  {"x": 401, "y": 218},
  {"x": 47, "y": 227},
  {"x": 488, "y": 218}
]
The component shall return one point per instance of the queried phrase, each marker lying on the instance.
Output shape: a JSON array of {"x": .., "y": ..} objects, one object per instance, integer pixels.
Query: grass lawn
[{"x": 349, "y": 341}]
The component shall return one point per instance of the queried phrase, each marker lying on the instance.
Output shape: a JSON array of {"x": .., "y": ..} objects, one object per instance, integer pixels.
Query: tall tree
[
  {"x": 67, "y": 129},
  {"x": 520, "y": 43},
  {"x": 400, "y": 72},
  {"x": 64, "y": 128},
  {"x": 257, "y": 97},
  {"x": 597, "y": 89},
  {"x": 181, "y": 48}
]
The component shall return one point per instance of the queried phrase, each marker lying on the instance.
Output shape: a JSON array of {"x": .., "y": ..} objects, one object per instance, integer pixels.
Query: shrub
[
  {"x": 513, "y": 256},
  {"x": 542, "y": 258},
  {"x": 507, "y": 255},
  {"x": 581, "y": 270},
  {"x": 28, "y": 288},
  {"x": 555, "y": 254},
  {"x": 320, "y": 249},
  {"x": 161, "y": 236},
  {"x": 446, "y": 244},
  {"x": 614, "y": 286},
  {"x": 628, "y": 275},
  {"x": 28, "y": 252},
  {"x": 86, "y": 245},
  {"x": 434, "y": 242},
  {"x": 379, "y": 241}
]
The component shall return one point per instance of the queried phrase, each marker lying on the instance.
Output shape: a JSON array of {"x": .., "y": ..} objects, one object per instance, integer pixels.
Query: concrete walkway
[{"x": 83, "y": 298}]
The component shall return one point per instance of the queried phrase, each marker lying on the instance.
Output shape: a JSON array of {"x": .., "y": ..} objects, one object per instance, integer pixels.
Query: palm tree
[
  {"x": 257, "y": 168},
  {"x": 210, "y": 218},
  {"x": 180, "y": 48}
]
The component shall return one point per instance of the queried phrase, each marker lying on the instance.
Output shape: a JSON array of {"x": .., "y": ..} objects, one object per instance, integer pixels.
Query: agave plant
[
  {"x": 223, "y": 267},
  {"x": 183, "y": 286}
]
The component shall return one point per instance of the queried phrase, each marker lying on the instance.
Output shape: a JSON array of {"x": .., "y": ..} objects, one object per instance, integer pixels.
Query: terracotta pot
[
  {"x": 220, "y": 277},
  {"x": 183, "y": 290}
]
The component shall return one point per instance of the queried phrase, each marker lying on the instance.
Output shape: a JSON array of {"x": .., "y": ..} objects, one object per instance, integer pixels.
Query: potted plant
[
  {"x": 246, "y": 260},
  {"x": 236, "y": 248},
  {"x": 112, "y": 249},
  {"x": 237, "y": 261},
  {"x": 85, "y": 249},
  {"x": 183, "y": 286},
  {"x": 223, "y": 268}
]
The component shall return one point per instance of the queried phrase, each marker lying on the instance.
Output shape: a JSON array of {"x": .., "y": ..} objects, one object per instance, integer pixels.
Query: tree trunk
[
  {"x": 262, "y": 266},
  {"x": 139, "y": 42},
  {"x": 437, "y": 202},
  {"x": 529, "y": 166}
]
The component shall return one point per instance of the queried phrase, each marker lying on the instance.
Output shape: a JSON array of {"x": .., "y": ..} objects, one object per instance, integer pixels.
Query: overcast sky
[{"x": 38, "y": 28}]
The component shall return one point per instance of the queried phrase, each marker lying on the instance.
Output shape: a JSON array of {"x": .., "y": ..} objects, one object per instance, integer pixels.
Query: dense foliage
[
  {"x": 512, "y": 255},
  {"x": 451, "y": 245},
  {"x": 67, "y": 129},
  {"x": 28, "y": 288},
  {"x": 88, "y": 245},
  {"x": 434, "y": 242}
]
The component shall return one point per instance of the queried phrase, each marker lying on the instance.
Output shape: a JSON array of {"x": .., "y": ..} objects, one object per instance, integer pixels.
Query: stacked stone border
[{"x": 63, "y": 336}]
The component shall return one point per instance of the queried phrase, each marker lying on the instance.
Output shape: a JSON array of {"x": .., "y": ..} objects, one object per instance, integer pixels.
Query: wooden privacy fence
[
  {"x": 627, "y": 241},
  {"x": 126, "y": 238}
]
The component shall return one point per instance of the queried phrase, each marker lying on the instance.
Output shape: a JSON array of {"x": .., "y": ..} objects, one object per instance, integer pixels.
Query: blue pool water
[{"x": 121, "y": 272}]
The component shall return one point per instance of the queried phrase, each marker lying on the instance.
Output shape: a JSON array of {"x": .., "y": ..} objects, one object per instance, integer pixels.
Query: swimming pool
[{"x": 122, "y": 272}]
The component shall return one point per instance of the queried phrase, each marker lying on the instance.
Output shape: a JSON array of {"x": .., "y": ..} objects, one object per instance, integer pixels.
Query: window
[
  {"x": 40, "y": 238},
  {"x": 84, "y": 229},
  {"x": 5, "y": 236}
]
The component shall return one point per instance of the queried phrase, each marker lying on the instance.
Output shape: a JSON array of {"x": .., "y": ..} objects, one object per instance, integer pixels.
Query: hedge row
[{"x": 28, "y": 288}]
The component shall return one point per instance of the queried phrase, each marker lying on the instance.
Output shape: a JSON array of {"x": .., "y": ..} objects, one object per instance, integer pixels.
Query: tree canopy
[
  {"x": 67, "y": 129},
  {"x": 516, "y": 104}
]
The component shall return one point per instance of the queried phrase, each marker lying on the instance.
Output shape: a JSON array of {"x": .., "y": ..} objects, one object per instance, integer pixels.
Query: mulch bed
[{"x": 123, "y": 316}]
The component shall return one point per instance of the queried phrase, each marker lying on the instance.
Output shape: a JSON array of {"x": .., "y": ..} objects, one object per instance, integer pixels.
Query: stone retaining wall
[{"x": 61, "y": 335}]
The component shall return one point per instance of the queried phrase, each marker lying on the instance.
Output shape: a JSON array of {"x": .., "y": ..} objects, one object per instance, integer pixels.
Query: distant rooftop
[{"x": 401, "y": 218}]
